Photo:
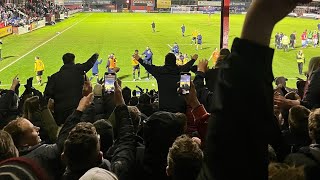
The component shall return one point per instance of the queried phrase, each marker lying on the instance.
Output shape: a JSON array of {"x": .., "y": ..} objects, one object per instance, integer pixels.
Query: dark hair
[
  {"x": 224, "y": 52},
  {"x": 82, "y": 147},
  {"x": 126, "y": 93},
  {"x": 314, "y": 125},
  {"x": 7, "y": 147},
  {"x": 68, "y": 58},
  {"x": 105, "y": 130},
  {"x": 170, "y": 59},
  {"x": 184, "y": 159},
  {"x": 298, "y": 120},
  {"x": 144, "y": 99},
  {"x": 133, "y": 101}
]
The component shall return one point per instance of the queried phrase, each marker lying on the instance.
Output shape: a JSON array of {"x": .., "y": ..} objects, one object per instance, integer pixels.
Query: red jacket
[{"x": 198, "y": 121}]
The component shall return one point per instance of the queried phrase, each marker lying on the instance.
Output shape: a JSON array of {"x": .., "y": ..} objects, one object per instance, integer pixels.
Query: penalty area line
[{"x": 43, "y": 43}]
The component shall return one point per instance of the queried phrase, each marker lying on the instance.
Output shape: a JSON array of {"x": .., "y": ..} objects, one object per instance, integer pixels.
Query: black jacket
[
  {"x": 242, "y": 115},
  {"x": 167, "y": 77},
  {"x": 65, "y": 88},
  {"x": 205, "y": 96},
  {"x": 312, "y": 97},
  {"x": 6, "y": 103}
]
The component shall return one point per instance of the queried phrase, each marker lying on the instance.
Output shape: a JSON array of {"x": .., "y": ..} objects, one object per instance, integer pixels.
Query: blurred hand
[
  {"x": 195, "y": 57},
  {"x": 196, "y": 140},
  {"x": 191, "y": 98},
  {"x": 85, "y": 102},
  {"x": 275, "y": 10},
  {"x": 15, "y": 83},
  {"x": 118, "y": 98},
  {"x": 281, "y": 102},
  {"x": 87, "y": 87},
  {"x": 203, "y": 66}
]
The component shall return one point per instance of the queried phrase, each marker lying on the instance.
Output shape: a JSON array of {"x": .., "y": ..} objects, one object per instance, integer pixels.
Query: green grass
[{"x": 121, "y": 34}]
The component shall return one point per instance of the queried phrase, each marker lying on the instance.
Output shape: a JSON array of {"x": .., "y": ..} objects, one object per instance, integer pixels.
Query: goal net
[{"x": 181, "y": 9}]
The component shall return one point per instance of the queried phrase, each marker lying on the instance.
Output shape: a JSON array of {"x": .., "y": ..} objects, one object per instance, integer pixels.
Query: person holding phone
[{"x": 167, "y": 77}]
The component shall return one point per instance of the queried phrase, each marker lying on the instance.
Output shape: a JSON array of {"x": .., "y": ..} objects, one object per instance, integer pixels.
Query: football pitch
[{"x": 121, "y": 33}]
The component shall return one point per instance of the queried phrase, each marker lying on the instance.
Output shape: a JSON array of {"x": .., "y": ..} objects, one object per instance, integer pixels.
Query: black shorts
[
  {"x": 136, "y": 67},
  {"x": 39, "y": 73},
  {"x": 194, "y": 38}
]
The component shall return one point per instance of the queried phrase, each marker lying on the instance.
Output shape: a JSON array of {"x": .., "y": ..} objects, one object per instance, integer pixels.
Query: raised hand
[
  {"x": 203, "y": 66},
  {"x": 85, "y": 102}
]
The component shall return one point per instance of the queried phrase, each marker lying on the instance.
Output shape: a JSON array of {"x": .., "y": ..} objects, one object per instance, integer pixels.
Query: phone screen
[
  {"x": 109, "y": 79},
  {"x": 185, "y": 79}
]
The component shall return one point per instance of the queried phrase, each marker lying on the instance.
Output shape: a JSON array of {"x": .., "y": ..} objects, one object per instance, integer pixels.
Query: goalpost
[{"x": 181, "y": 9}]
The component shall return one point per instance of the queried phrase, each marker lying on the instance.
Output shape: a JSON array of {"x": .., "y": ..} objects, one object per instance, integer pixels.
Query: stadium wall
[
  {"x": 28, "y": 28},
  {"x": 5, "y": 31}
]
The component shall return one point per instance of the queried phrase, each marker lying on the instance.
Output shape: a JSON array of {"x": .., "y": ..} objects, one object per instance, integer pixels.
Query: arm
[
  {"x": 73, "y": 120},
  {"x": 6, "y": 100},
  {"x": 49, "y": 124},
  {"x": 123, "y": 158},
  {"x": 312, "y": 97},
  {"x": 250, "y": 101},
  {"x": 89, "y": 63},
  {"x": 154, "y": 70},
  {"x": 49, "y": 90}
]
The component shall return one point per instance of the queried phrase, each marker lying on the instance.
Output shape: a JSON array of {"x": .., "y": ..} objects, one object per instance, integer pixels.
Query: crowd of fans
[
  {"x": 233, "y": 124},
  {"x": 25, "y": 14}
]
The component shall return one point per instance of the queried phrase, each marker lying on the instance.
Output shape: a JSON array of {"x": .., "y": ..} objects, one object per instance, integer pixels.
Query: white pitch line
[
  {"x": 169, "y": 46},
  {"x": 42, "y": 44}
]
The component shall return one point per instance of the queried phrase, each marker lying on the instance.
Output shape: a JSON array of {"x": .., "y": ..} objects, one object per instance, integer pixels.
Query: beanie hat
[
  {"x": 97, "y": 90},
  {"x": 21, "y": 169},
  {"x": 98, "y": 174}
]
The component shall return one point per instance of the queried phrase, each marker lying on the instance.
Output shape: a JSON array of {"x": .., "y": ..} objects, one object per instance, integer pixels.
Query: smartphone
[
  {"x": 109, "y": 79},
  {"x": 138, "y": 93},
  {"x": 185, "y": 79}
]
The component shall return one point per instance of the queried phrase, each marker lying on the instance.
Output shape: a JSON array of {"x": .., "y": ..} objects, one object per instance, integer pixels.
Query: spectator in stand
[
  {"x": 184, "y": 159},
  {"x": 65, "y": 86},
  {"x": 250, "y": 53},
  {"x": 7, "y": 147},
  {"x": 26, "y": 138},
  {"x": 82, "y": 147},
  {"x": 167, "y": 77},
  {"x": 309, "y": 156},
  {"x": 298, "y": 135},
  {"x": 8, "y": 103}
]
